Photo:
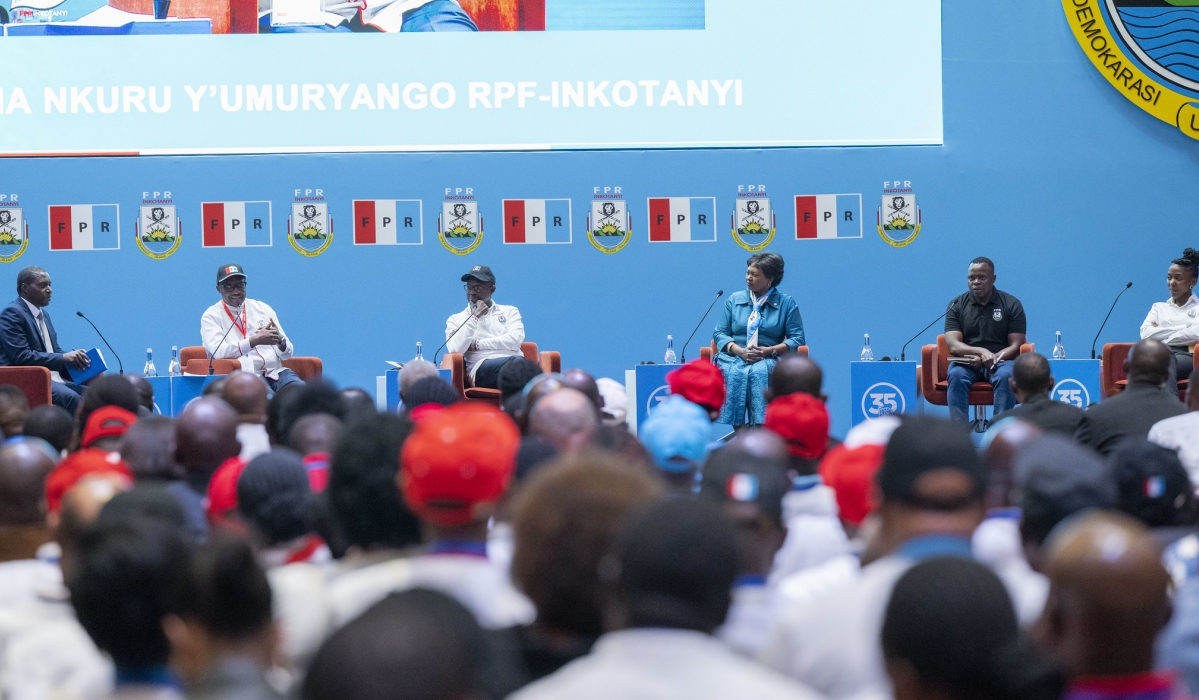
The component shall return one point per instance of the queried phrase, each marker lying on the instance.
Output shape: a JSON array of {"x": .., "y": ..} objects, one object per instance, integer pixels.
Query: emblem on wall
[
  {"x": 898, "y": 215},
  {"x": 753, "y": 219},
  {"x": 14, "y": 232},
  {"x": 1148, "y": 50},
  {"x": 460, "y": 228},
  {"x": 310, "y": 228},
  {"x": 157, "y": 231},
  {"x": 608, "y": 224}
]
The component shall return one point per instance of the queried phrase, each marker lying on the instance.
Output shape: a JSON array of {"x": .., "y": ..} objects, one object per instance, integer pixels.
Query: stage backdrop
[{"x": 1072, "y": 189}]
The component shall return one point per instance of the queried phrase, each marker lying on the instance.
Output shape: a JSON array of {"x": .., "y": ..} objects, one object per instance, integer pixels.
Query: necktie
[{"x": 41, "y": 324}]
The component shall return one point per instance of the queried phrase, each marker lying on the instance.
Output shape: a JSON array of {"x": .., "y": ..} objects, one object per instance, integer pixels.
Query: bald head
[
  {"x": 314, "y": 433},
  {"x": 760, "y": 442},
  {"x": 80, "y": 507},
  {"x": 1000, "y": 456},
  {"x": 796, "y": 374},
  {"x": 1108, "y": 596},
  {"x": 584, "y": 383},
  {"x": 1148, "y": 361},
  {"x": 565, "y": 419},
  {"x": 412, "y": 373},
  {"x": 205, "y": 436},
  {"x": 245, "y": 392},
  {"x": 23, "y": 472},
  {"x": 145, "y": 392}
]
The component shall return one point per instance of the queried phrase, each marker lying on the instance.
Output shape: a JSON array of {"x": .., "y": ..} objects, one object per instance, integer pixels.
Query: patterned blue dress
[{"x": 744, "y": 384}]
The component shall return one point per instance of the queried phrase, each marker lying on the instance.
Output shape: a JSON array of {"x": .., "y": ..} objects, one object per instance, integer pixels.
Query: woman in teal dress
[{"x": 759, "y": 324}]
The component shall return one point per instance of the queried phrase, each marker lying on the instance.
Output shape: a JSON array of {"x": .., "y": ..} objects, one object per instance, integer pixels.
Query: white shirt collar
[
  {"x": 1189, "y": 302},
  {"x": 37, "y": 312}
]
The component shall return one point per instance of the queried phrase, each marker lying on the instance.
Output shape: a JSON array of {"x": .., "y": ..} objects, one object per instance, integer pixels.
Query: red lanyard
[{"x": 240, "y": 328}]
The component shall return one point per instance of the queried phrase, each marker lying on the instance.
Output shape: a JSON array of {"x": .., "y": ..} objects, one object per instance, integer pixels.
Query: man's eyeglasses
[
  {"x": 233, "y": 286},
  {"x": 477, "y": 288}
]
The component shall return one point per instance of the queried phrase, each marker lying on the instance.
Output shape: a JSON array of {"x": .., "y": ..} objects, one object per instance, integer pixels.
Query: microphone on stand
[
  {"x": 683, "y": 355},
  {"x": 1109, "y": 315},
  {"x": 469, "y": 316},
  {"x": 222, "y": 341},
  {"x": 902, "y": 355},
  {"x": 97, "y": 330}
]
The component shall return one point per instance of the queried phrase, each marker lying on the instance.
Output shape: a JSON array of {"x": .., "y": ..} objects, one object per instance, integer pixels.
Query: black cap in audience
[
  {"x": 1057, "y": 479},
  {"x": 224, "y": 272},
  {"x": 1154, "y": 486},
  {"x": 481, "y": 273},
  {"x": 921, "y": 445},
  {"x": 733, "y": 476}
]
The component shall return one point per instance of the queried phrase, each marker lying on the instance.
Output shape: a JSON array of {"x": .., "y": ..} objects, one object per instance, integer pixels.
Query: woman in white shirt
[{"x": 1176, "y": 322}]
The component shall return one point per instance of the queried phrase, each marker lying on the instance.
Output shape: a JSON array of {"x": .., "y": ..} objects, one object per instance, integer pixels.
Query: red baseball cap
[
  {"x": 222, "y": 489},
  {"x": 107, "y": 421},
  {"x": 458, "y": 462},
  {"x": 849, "y": 472},
  {"x": 700, "y": 382},
  {"x": 86, "y": 462},
  {"x": 802, "y": 420}
]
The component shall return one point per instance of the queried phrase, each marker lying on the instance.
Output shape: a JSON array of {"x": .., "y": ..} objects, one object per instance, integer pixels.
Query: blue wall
[{"x": 1072, "y": 190}]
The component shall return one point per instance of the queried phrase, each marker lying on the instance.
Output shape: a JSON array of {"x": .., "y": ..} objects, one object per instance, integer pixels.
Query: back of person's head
[
  {"x": 950, "y": 626},
  {"x": 412, "y": 372},
  {"x": 676, "y": 563},
  {"x": 79, "y": 465},
  {"x": 205, "y": 436},
  {"x": 533, "y": 453},
  {"x": 275, "y": 410},
  {"x": 106, "y": 427},
  {"x": 415, "y": 645},
  {"x": 1154, "y": 486},
  {"x": 144, "y": 502},
  {"x": 802, "y": 421},
  {"x": 315, "y": 433},
  {"x": 246, "y": 393},
  {"x": 358, "y": 402},
  {"x": 749, "y": 490},
  {"x": 431, "y": 390},
  {"x": 128, "y": 575},
  {"x": 145, "y": 393},
  {"x": 1056, "y": 479},
  {"x": 14, "y": 407},
  {"x": 565, "y": 419},
  {"x": 565, "y": 519},
  {"x": 216, "y": 387},
  {"x": 361, "y": 493},
  {"x": 1149, "y": 362},
  {"x": 273, "y": 496},
  {"x": 701, "y": 383},
  {"x": 149, "y": 449},
  {"x": 107, "y": 390},
  {"x": 311, "y": 398},
  {"x": 1002, "y": 442},
  {"x": 922, "y": 449},
  {"x": 1030, "y": 373},
  {"x": 52, "y": 424},
  {"x": 23, "y": 472},
  {"x": 676, "y": 435},
  {"x": 795, "y": 373},
  {"x": 618, "y": 440},
  {"x": 515, "y": 374}
]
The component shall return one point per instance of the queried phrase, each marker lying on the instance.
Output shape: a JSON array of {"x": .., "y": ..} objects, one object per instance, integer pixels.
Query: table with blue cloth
[{"x": 744, "y": 383}]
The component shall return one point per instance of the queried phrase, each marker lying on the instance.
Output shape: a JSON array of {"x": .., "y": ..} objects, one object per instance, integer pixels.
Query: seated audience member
[
  {"x": 582, "y": 381},
  {"x": 802, "y": 421},
  {"x": 564, "y": 520},
  {"x": 245, "y": 392},
  {"x": 258, "y": 343},
  {"x": 1181, "y": 434},
  {"x": 149, "y": 450},
  {"x": 616, "y": 401},
  {"x": 676, "y": 436},
  {"x": 431, "y": 391},
  {"x": 274, "y": 499},
  {"x": 618, "y": 440},
  {"x": 796, "y": 374},
  {"x": 145, "y": 394},
  {"x": 1154, "y": 488},
  {"x": 701, "y": 383},
  {"x": 1173, "y": 322},
  {"x": 932, "y": 484},
  {"x": 511, "y": 383},
  {"x": 223, "y": 639},
  {"x": 1134, "y": 411},
  {"x": 1056, "y": 479},
  {"x": 23, "y": 527},
  {"x": 221, "y": 502},
  {"x": 205, "y": 436},
  {"x": 749, "y": 490},
  {"x": 14, "y": 408},
  {"x": 539, "y": 386},
  {"x": 950, "y": 632},
  {"x": 1108, "y": 600},
  {"x": 411, "y": 373},
  {"x": 984, "y": 328},
  {"x": 27, "y": 338},
  {"x": 672, "y": 570},
  {"x": 106, "y": 428},
  {"x": 566, "y": 419},
  {"x": 216, "y": 386},
  {"x": 487, "y": 334},
  {"x": 454, "y": 469},
  {"x": 1031, "y": 382},
  {"x": 415, "y": 645},
  {"x": 358, "y": 403},
  {"x": 129, "y": 577},
  {"x": 52, "y": 424},
  {"x": 313, "y": 436},
  {"x": 78, "y": 465},
  {"x": 307, "y": 399},
  {"x": 108, "y": 390}
]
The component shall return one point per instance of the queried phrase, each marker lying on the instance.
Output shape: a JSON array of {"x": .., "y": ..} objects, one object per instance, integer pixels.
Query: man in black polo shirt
[
  {"x": 1032, "y": 382},
  {"x": 984, "y": 328}
]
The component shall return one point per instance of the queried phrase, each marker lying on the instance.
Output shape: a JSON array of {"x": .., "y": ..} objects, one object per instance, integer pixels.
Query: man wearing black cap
[
  {"x": 246, "y": 330},
  {"x": 487, "y": 334}
]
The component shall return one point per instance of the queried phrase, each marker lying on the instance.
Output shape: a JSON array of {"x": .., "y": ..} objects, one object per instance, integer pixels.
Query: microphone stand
[
  {"x": 903, "y": 351},
  {"x": 469, "y": 316},
  {"x": 97, "y": 330},
  {"x": 222, "y": 341},
  {"x": 1109, "y": 315},
  {"x": 701, "y": 321}
]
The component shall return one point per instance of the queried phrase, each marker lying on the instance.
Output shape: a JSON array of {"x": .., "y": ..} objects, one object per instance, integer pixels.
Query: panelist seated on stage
[
  {"x": 490, "y": 334},
  {"x": 984, "y": 328},
  {"x": 759, "y": 324},
  {"x": 27, "y": 338},
  {"x": 246, "y": 330},
  {"x": 1175, "y": 322}
]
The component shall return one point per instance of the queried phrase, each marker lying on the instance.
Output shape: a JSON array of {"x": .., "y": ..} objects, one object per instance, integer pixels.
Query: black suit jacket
[
  {"x": 21, "y": 343},
  {"x": 1048, "y": 415},
  {"x": 1129, "y": 414}
]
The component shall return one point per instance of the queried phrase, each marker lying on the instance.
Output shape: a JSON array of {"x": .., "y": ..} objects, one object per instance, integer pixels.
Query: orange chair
[
  {"x": 550, "y": 361},
  {"x": 1113, "y": 379},
  {"x": 709, "y": 353},
  {"x": 34, "y": 383},
  {"x": 194, "y": 360},
  {"x": 934, "y": 381}
]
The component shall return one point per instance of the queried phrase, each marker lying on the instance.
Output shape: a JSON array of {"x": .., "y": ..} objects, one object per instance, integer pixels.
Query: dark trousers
[
  {"x": 487, "y": 376},
  {"x": 1181, "y": 368},
  {"x": 286, "y": 377},
  {"x": 66, "y": 395}
]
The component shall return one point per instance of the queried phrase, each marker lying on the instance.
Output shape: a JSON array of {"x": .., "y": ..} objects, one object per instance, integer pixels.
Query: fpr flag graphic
[
  {"x": 387, "y": 222},
  {"x": 236, "y": 224},
  {"x": 828, "y": 216},
  {"x": 537, "y": 221},
  {"x": 682, "y": 219},
  {"x": 85, "y": 227}
]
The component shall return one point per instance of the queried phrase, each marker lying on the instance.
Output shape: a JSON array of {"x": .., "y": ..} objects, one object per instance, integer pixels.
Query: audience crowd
[{"x": 310, "y": 547}]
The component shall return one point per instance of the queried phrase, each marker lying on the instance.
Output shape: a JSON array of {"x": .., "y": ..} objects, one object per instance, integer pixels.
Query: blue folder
[{"x": 97, "y": 367}]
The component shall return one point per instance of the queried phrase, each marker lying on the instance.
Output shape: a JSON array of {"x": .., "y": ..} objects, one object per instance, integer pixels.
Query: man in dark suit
[
  {"x": 1132, "y": 412},
  {"x": 27, "y": 338},
  {"x": 1031, "y": 382}
]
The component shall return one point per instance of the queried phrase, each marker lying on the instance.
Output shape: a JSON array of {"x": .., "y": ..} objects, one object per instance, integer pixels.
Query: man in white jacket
[
  {"x": 487, "y": 334},
  {"x": 246, "y": 330}
]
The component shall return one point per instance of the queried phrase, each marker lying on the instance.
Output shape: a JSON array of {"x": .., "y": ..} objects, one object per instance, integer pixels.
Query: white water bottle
[
  {"x": 419, "y": 356},
  {"x": 1059, "y": 350},
  {"x": 173, "y": 368},
  {"x": 671, "y": 358},
  {"x": 867, "y": 353},
  {"x": 149, "y": 371}
]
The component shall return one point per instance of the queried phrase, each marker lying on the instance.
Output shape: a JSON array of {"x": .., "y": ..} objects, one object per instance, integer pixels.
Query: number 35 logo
[
  {"x": 882, "y": 399},
  {"x": 1071, "y": 391}
]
